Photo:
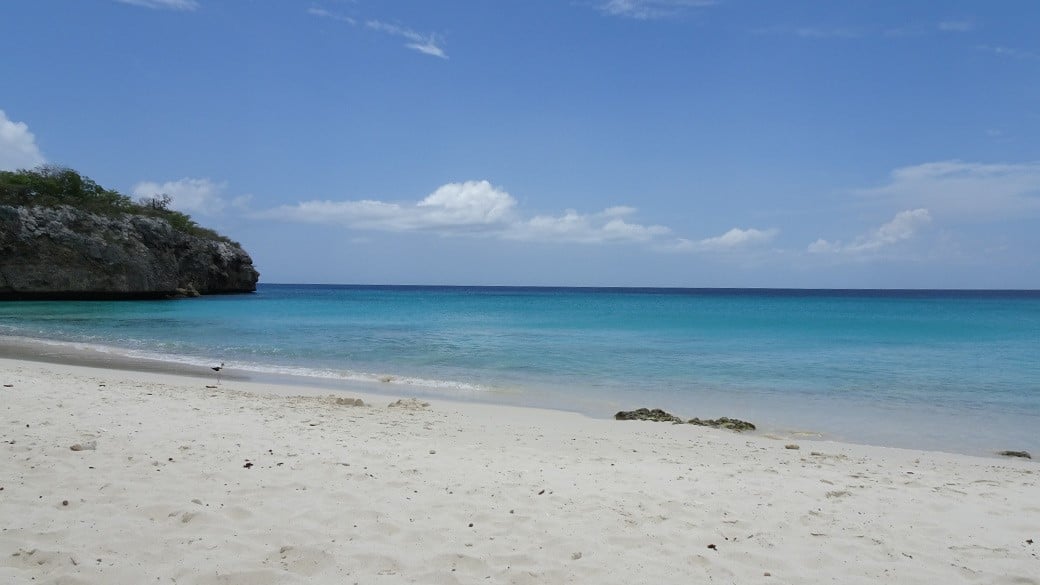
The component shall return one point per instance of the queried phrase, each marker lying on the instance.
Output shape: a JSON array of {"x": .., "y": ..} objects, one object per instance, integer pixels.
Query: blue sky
[{"x": 569, "y": 142}]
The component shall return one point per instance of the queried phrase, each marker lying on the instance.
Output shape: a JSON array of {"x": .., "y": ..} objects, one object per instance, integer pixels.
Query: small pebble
[
  {"x": 792, "y": 446},
  {"x": 64, "y": 502}
]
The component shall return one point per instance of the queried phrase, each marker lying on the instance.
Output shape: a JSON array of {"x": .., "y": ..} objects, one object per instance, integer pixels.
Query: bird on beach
[{"x": 217, "y": 370}]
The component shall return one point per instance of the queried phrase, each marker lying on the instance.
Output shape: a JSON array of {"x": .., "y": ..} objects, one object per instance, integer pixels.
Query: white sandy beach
[{"x": 251, "y": 484}]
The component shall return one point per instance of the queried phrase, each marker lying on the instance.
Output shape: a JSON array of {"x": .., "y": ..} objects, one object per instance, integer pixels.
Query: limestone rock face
[{"x": 69, "y": 253}]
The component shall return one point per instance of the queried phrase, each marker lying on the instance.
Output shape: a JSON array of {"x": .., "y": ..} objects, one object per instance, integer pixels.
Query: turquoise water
[{"x": 956, "y": 371}]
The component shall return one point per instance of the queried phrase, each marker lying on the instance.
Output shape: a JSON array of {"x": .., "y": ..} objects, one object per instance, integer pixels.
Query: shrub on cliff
[{"x": 54, "y": 186}]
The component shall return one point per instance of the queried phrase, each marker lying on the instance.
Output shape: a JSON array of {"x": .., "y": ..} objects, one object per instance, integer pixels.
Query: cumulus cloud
[
  {"x": 904, "y": 226},
  {"x": 200, "y": 196},
  {"x": 18, "y": 148},
  {"x": 649, "y": 9},
  {"x": 183, "y": 5},
  {"x": 425, "y": 44},
  {"x": 475, "y": 208},
  {"x": 964, "y": 190},
  {"x": 734, "y": 239}
]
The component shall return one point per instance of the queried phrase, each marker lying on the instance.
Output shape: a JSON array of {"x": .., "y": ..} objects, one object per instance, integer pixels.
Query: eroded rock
[
  {"x": 656, "y": 415},
  {"x": 733, "y": 424},
  {"x": 1022, "y": 454}
]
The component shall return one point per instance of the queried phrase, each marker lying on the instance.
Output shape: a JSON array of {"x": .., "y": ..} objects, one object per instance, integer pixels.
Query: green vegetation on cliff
[{"x": 54, "y": 186}]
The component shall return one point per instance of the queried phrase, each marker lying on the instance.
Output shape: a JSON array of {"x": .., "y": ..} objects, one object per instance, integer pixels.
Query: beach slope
[{"x": 172, "y": 481}]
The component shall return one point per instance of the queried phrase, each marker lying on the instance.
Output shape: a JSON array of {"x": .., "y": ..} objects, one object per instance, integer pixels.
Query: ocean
[{"x": 944, "y": 370}]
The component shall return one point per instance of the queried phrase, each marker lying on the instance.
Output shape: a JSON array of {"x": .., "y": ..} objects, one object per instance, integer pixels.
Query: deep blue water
[{"x": 954, "y": 370}]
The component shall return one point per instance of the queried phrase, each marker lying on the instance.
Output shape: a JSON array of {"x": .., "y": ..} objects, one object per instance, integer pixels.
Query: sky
[{"x": 690, "y": 143}]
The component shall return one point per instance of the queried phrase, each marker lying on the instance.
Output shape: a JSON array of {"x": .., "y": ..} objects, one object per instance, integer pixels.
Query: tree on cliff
[{"x": 54, "y": 186}]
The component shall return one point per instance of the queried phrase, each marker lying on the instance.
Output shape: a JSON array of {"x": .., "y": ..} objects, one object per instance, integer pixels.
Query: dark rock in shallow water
[
  {"x": 69, "y": 253},
  {"x": 656, "y": 415},
  {"x": 733, "y": 424},
  {"x": 1022, "y": 454}
]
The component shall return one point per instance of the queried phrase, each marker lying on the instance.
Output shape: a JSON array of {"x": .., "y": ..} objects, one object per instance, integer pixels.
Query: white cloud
[
  {"x": 18, "y": 148},
  {"x": 426, "y": 44},
  {"x": 965, "y": 191},
  {"x": 322, "y": 13},
  {"x": 904, "y": 226},
  {"x": 473, "y": 208},
  {"x": 201, "y": 196},
  {"x": 734, "y": 239},
  {"x": 608, "y": 225},
  {"x": 184, "y": 5},
  {"x": 649, "y": 9}
]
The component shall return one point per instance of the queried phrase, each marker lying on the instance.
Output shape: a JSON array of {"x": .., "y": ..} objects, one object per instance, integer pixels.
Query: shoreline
[
  {"x": 84, "y": 354},
  {"x": 262, "y": 483}
]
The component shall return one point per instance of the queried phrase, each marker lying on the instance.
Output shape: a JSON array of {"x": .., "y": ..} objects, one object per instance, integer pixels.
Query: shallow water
[{"x": 955, "y": 371}]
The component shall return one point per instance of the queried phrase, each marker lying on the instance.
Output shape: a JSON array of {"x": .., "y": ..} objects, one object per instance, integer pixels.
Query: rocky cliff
[{"x": 68, "y": 253}]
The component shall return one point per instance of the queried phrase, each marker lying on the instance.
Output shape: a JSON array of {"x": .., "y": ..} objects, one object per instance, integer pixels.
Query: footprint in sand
[{"x": 300, "y": 560}]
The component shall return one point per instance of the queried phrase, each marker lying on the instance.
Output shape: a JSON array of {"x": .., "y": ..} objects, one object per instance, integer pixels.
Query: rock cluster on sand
[
  {"x": 1022, "y": 454},
  {"x": 734, "y": 424},
  {"x": 658, "y": 415}
]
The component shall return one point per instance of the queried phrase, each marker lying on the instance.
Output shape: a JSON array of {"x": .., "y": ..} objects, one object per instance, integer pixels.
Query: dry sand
[{"x": 253, "y": 484}]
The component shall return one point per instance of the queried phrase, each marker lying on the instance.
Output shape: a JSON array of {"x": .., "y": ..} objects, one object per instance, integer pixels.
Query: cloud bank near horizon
[{"x": 477, "y": 208}]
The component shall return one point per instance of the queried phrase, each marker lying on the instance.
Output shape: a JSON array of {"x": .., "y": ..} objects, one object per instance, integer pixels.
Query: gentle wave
[{"x": 455, "y": 387}]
